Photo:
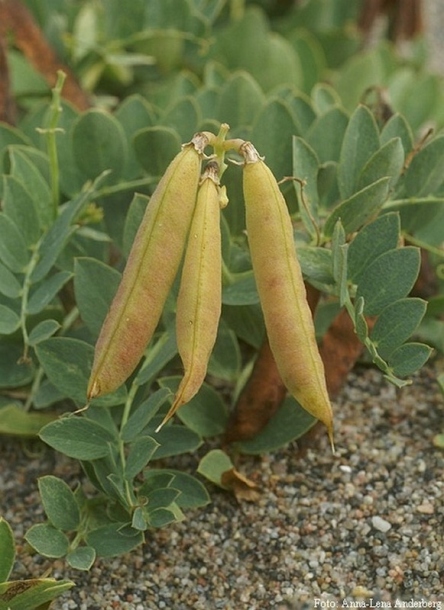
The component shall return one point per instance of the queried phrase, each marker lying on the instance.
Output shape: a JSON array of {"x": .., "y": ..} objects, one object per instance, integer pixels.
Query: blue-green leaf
[
  {"x": 19, "y": 205},
  {"x": 183, "y": 116},
  {"x": 158, "y": 356},
  {"x": 13, "y": 249},
  {"x": 47, "y": 540},
  {"x": 42, "y": 331},
  {"x": 140, "y": 453},
  {"x": 59, "y": 502},
  {"x": 388, "y": 278},
  {"x": 99, "y": 144},
  {"x": 174, "y": 440},
  {"x": 359, "y": 208},
  {"x": 408, "y": 358},
  {"x": 361, "y": 141},
  {"x": 155, "y": 148},
  {"x": 239, "y": 100},
  {"x": 387, "y": 161},
  {"x": 326, "y": 134},
  {"x": 55, "y": 239},
  {"x": 206, "y": 413},
  {"x": 397, "y": 127},
  {"x": 114, "y": 539},
  {"x": 7, "y": 556},
  {"x": 67, "y": 362},
  {"x": 424, "y": 175},
  {"x": 289, "y": 423},
  {"x": 9, "y": 320},
  {"x": 225, "y": 359},
  {"x": 47, "y": 291},
  {"x": 272, "y": 133},
  {"x": 78, "y": 437},
  {"x": 373, "y": 240},
  {"x": 95, "y": 285},
  {"x": 241, "y": 290},
  {"x": 81, "y": 558},
  {"x": 396, "y": 324},
  {"x": 26, "y": 172},
  {"x": 193, "y": 493},
  {"x": 143, "y": 414},
  {"x": 9, "y": 284}
]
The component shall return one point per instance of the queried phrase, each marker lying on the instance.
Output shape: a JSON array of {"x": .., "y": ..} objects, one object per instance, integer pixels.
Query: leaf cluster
[
  {"x": 30, "y": 594},
  {"x": 365, "y": 193}
]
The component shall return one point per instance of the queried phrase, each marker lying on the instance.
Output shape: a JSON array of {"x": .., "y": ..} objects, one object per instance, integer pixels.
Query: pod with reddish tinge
[
  {"x": 200, "y": 292},
  {"x": 149, "y": 273},
  {"x": 287, "y": 316}
]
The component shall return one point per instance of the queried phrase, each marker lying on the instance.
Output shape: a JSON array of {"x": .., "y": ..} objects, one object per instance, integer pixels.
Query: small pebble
[
  {"x": 381, "y": 524},
  {"x": 426, "y": 509}
]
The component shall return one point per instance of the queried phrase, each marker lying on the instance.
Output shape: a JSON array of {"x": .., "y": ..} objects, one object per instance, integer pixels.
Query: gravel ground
[
  {"x": 363, "y": 528},
  {"x": 327, "y": 531}
]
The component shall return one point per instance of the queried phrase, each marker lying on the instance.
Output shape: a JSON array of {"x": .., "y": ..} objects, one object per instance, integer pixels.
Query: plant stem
[
  {"x": 437, "y": 251},
  {"x": 221, "y": 146},
  {"x": 125, "y": 416},
  {"x": 34, "y": 388},
  {"x": 129, "y": 402},
  {"x": 125, "y": 186},
  {"x": 69, "y": 320},
  {"x": 402, "y": 203},
  {"x": 25, "y": 298},
  {"x": 50, "y": 132}
]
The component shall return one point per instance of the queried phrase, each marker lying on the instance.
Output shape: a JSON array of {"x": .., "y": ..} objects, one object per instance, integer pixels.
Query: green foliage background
[{"x": 343, "y": 120}]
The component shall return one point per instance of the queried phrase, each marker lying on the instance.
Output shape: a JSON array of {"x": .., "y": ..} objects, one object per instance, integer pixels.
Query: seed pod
[
  {"x": 149, "y": 273},
  {"x": 281, "y": 289},
  {"x": 200, "y": 293}
]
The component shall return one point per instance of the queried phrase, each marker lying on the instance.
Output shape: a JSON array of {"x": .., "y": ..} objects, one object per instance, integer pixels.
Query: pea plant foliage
[{"x": 133, "y": 301}]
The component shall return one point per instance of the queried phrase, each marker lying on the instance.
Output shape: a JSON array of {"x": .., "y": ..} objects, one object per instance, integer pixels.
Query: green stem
[
  {"x": 129, "y": 403},
  {"x": 402, "y": 203},
  {"x": 221, "y": 145},
  {"x": 69, "y": 320},
  {"x": 125, "y": 416},
  {"x": 125, "y": 186},
  {"x": 34, "y": 388},
  {"x": 50, "y": 132},
  {"x": 424, "y": 245},
  {"x": 27, "y": 283}
]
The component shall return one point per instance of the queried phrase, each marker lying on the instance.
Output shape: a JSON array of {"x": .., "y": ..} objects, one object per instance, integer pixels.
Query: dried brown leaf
[
  {"x": 405, "y": 20},
  {"x": 240, "y": 486},
  {"x": 7, "y": 104},
  {"x": 29, "y": 39}
]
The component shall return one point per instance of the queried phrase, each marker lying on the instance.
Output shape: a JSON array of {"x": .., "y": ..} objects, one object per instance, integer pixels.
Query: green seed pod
[
  {"x": 200, "y": 293},
  {"x": 149, "y": 273},
  {"x": 281, "y": 289}
]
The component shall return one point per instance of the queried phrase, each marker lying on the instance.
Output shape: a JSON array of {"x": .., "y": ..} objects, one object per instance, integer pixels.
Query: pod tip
[
  {"x": 331, "y": 438},
  {"x": 250, "y": 154},
  {"x": 177, "y": 403},
  {"x": 167, "y": 417},
  {"x": 160, "y": 426},
  {"x": 93, "y": 390},
  {"x": 200, "y": 141}
]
